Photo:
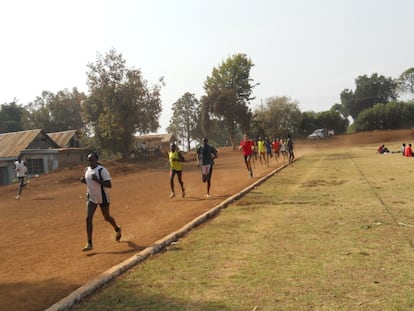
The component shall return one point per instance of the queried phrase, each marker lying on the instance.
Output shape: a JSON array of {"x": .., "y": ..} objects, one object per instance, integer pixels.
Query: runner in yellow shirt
[
  {"x": 262, "y": 151},
  {"x": 175, "y": 159}
]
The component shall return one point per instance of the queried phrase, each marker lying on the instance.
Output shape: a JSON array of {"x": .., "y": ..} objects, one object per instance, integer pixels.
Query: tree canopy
[
  {"x": 393, "y": 115},
  {"x": 11, "y": 117},
  {"x": 55, "y": 112},
  {"x": 278, "y": 117},
  {"x": 368, "y": 92},
  {"x": 406, "y": 81},
  {"x": 120, "y": 104},
  {"x": 228, "y": 95},
  {"x": 184, "y": 122}
]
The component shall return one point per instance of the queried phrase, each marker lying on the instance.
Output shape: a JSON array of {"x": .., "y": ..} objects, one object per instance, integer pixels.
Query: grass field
[{"x": 332, "y": 231}]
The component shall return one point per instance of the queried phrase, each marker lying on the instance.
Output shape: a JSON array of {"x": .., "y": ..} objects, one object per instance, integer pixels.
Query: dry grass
[{"x": 333, "y": 231}]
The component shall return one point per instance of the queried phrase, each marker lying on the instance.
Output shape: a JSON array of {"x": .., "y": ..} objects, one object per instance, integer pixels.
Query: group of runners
[
  {"x": 205, "y": 161},
  {"x": 98, "y": 180},
  {"x": 265, "y": 149}
]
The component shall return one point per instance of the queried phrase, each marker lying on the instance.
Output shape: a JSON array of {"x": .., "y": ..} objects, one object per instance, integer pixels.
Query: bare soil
[{"x": 43, "y": 233}]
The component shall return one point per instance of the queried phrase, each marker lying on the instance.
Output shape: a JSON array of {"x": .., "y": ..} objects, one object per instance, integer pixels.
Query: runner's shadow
[
  {"x": 203, "y": 198},
  {"x": 133, "y": 248},
  {"x": 188, "y": 198}
]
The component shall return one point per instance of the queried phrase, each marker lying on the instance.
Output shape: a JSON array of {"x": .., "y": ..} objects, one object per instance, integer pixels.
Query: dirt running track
[{"x": 42, "y": 233}]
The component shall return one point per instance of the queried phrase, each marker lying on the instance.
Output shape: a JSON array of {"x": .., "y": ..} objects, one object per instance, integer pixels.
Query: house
[
  {"x": 153, "y": 143},
  {"x": 41, "y": 154},
  {"x": 66, "y": 139},
  {"x": 70, "y": 152}
]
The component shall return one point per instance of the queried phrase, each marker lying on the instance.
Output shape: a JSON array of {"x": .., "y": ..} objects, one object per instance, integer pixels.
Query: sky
[{"x": 307, "y": 50}]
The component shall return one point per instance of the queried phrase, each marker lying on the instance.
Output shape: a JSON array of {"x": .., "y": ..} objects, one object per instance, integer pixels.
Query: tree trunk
[
  {"x": 233, "y": 142},
  {"x": 125, "y": 155},
  {"x": 188, "y": 144}
]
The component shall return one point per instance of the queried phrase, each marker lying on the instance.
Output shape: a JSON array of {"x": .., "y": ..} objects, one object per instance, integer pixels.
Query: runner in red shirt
[
  {"x": 247, "y": 145},
  {"x": 276, "y": 147}
]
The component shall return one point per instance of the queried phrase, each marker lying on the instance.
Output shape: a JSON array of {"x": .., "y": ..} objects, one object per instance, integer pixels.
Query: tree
[
  {"x": 347, "y": 103},
  {"x": 11, "y": 117},
  {"x": 55, "y": 113},
  {"x": 65, "y": 110},
  {"x": 332, "y": 120},
  {"x": 278, "y": 117},
  {"x": 39, "y": 116},
  {"x": 340, "y": 109},
  {"x": 329, "y": 120},
  {"x": 309, "y": 122},
  {"x": 120, "y": 104},
  {"x": 368, "y": 92},
  {"x": 228, "y": 95},
  {"x": 185, "y": 118},
  {"x": 406, "y": 81},
  {"x": 392, "y": 115}
]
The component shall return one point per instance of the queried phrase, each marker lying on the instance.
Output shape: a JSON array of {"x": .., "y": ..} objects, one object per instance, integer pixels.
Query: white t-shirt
[
  {"x": 20, "y": 168},
  {"x": 94, "y": 189}
]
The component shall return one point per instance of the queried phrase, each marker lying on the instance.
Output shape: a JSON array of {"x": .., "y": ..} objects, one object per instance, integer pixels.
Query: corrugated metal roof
[
  {"x": 63, "y": 138},
  {"x": 164, "y": 138},
  {"x": 11, "y": 144}
]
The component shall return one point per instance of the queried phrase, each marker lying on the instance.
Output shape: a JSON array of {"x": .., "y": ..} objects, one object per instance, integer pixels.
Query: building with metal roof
[{"x": 39, "y": 151}]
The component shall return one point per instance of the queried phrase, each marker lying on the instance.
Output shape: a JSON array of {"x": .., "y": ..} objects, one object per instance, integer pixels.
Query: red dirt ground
[{"x": 43, "y": 233}]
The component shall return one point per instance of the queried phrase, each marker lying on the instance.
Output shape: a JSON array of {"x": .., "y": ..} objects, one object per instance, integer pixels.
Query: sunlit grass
[{"x": 333, "y": 231}]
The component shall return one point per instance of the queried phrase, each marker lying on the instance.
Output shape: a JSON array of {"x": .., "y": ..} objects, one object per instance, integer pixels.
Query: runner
[
  {"x": 97, "y": 178},
  {"x": 205, "y": 159},
  {"x": 175, "y": 159},
  {"x": 262, "y": 151},
  {"x": 268, "y": 145},
  {"x": 246, "y": 145},
  {"x": 276, "y": 146},
  {"x": 283, "y": 149},
  {"x": 21, "y": 170}
]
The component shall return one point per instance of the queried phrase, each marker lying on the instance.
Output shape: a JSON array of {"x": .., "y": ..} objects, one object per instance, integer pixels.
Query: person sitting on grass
[
  {"x": 382, "y": 149},
  {"x": 408, "y": 151}
]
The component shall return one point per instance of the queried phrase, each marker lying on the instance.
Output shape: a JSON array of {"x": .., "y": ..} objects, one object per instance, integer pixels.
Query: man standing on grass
[
  {"x": 289, "y": 145},
  {"x": 97, "y": 178},
  {"x": 205, "y": 158}
]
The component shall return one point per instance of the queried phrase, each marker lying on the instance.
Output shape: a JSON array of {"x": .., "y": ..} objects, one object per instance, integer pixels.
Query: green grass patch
[{"x": 332, "y": 231}]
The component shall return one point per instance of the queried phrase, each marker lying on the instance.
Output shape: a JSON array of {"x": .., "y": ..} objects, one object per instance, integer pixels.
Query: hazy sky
[{"x": 308, "y": 50}]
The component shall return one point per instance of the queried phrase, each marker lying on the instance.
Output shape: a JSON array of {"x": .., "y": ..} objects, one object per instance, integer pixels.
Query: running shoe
[
  {"x": 172, "y": 195},
  {"x": 118, "y": 234},
  {"x": 87, "y": 247}
]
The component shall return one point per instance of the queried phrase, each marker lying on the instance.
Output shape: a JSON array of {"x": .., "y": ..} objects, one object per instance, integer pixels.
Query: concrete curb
[{"x": 110, "y": 274}]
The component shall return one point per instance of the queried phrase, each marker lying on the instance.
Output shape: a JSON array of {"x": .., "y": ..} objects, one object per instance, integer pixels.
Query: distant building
[
  {"x": 66, "y": 139},
  {"x": 40, "y": 152},
  {"x": 152, "y": 144}
]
